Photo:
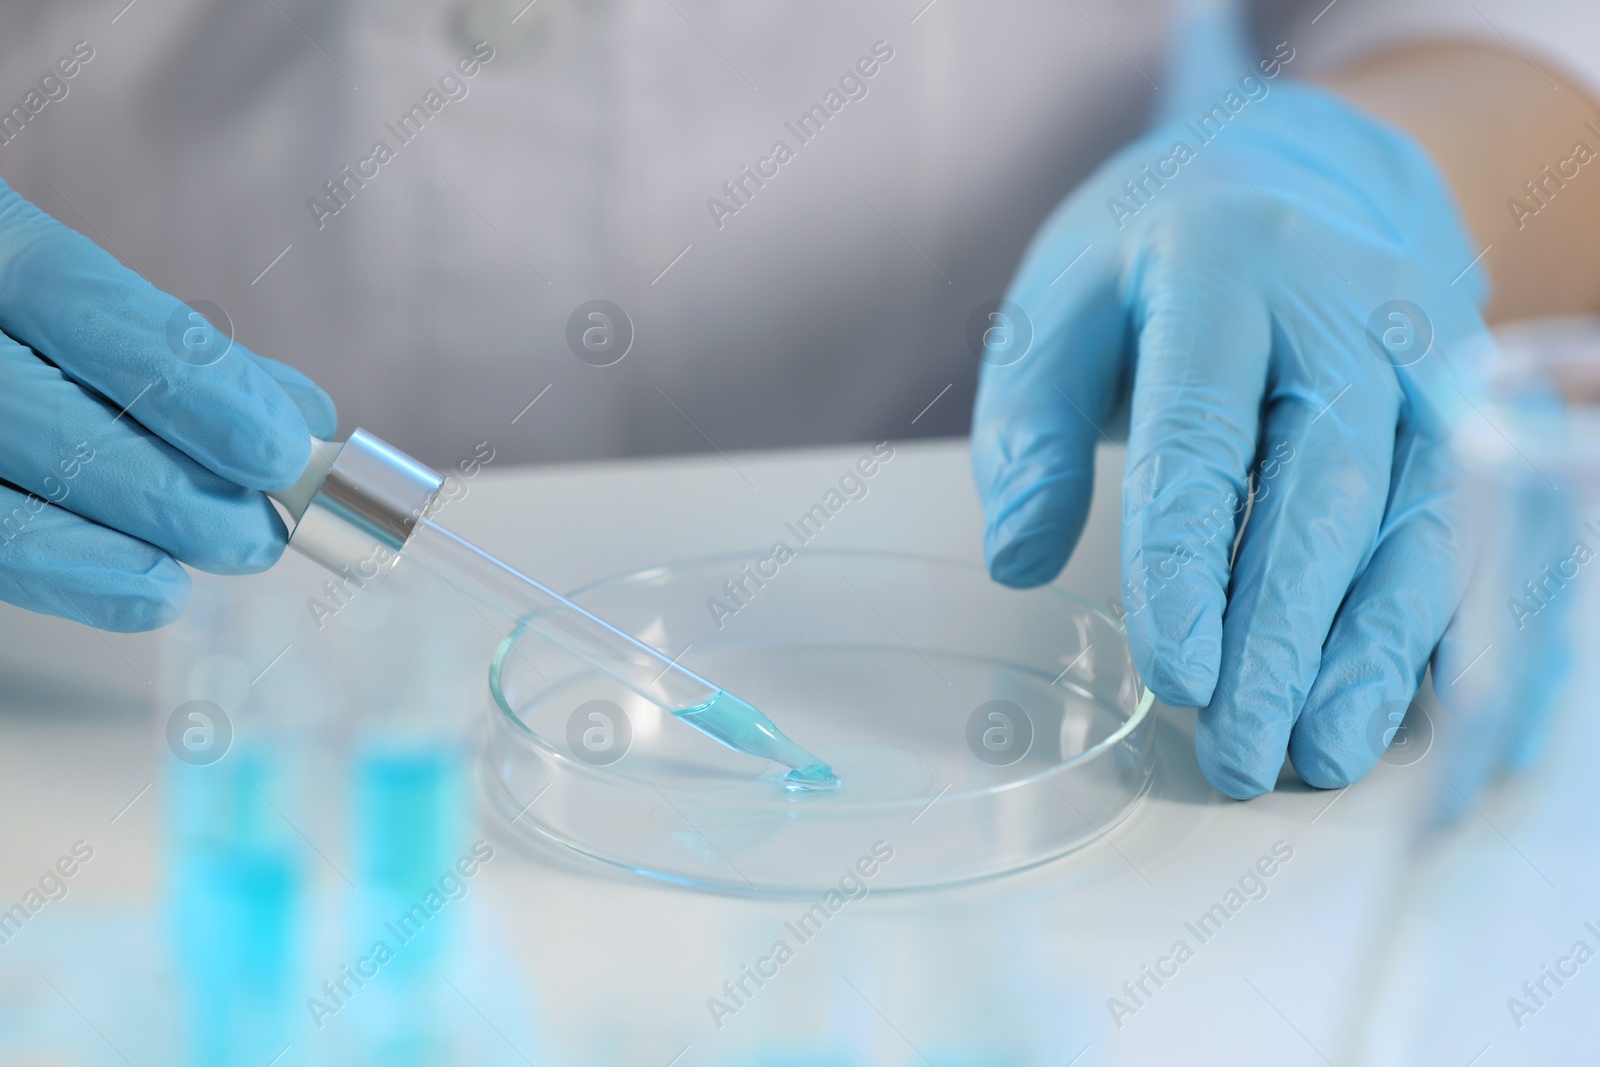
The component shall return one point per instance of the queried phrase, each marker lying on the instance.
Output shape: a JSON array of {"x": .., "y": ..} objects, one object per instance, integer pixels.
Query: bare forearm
[{"x": 1520, "y": 148}]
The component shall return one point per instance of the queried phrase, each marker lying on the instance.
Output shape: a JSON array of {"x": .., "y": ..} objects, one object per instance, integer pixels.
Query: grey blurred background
[{"x": 434, "y": 305}]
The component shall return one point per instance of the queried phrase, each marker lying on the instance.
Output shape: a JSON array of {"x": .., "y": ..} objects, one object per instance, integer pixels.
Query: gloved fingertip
[
  {"x": 246, "y": 537},
  {"x": 136, "y": 601},
  {"x": 1181, "y": 674},
  {"x": 1326, "y": 771},
  {"x": 1175, "y": 632},
  {"x": 1241, "y": 751},
  {"x": 1030, "y": 559},
  {"x": 1034, "y": 523},
  {"x": 1332, "y": 749},
  {"x": 248, "y": 551},
  {"x": 264, "y": 451},
  {"x": 1234, "y": 780},
  {"x": 316, "y": 407},
  {"x": 285, "y": 451},
  {"x": 1179, "y": 684},
  {"x": 261, "y": 554}
]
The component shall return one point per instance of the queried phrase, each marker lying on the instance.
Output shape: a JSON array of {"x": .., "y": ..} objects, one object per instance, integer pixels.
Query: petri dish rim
[{"x": 568, "y": 765}]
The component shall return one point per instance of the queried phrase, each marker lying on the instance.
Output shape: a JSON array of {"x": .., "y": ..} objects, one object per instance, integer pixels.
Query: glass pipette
[{"x": 360, "y": 498}]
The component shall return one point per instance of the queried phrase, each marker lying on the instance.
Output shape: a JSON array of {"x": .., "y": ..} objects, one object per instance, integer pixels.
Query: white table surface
[{"x": 1355, "y": 953}]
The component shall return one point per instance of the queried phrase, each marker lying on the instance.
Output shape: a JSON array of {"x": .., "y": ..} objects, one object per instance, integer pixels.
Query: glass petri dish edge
[{"x": 1135, "y": 721}]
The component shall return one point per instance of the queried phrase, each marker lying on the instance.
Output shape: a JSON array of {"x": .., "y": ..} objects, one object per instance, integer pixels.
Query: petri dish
[{"x": 977, "y": 730}]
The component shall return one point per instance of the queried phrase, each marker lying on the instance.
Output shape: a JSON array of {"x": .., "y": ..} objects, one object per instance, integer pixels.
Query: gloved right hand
[{"x": 126, "y": 445}]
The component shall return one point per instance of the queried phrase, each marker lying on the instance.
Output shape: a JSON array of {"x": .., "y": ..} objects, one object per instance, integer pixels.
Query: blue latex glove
[
  {"x": 1231, "y": 303},
  {"x": 1507, "y": 659},
  {"x": 101, "y": 502}
]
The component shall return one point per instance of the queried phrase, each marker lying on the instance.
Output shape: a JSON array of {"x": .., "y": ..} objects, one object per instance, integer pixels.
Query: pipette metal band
[{"x": 370, "y": 500}]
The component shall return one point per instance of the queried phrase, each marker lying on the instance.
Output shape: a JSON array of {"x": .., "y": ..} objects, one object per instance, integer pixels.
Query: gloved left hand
[
  {"x": 133, "y": 436},
  {"x": 1295, "y": 306}
]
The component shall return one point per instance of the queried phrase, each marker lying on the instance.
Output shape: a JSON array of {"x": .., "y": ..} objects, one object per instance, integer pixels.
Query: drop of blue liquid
[{"x": 817, "y": 778}]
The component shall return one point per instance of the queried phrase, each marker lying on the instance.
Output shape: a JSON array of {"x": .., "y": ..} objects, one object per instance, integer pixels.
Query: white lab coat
[{"x": 587, "y": 160}]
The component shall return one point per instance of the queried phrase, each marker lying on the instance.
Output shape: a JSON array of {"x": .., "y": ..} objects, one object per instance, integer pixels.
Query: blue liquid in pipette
[{"x": 743, "y": 728}]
